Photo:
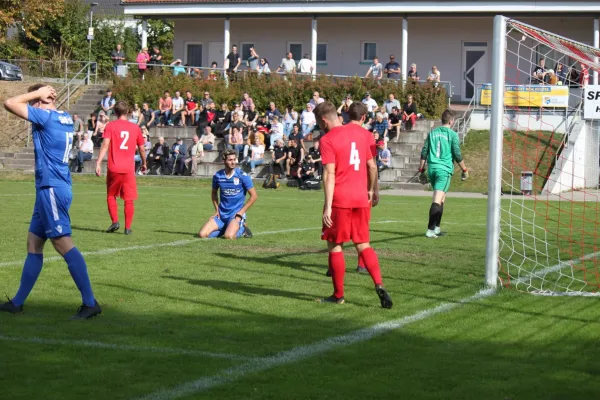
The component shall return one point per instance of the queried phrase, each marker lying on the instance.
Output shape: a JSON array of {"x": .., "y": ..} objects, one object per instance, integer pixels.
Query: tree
[
  {"x": 161, "y": 34},
  {"x": 29, "y": 15}
]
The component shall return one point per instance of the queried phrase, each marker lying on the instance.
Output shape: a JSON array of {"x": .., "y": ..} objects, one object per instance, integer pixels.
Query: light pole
[{"x": 90, "y": 37}]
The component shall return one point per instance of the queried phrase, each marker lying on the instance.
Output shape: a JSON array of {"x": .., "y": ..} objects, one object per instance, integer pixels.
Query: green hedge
[{"x": 296, "y": 90}]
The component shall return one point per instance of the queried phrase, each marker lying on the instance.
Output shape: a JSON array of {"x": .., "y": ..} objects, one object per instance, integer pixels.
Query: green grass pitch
[{"x": 191, "y": 319}]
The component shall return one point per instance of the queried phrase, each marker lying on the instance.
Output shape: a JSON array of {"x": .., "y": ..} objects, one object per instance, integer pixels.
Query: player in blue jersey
[
  {"x": 52, "y": 138},
  {"x": 229, "y": 220}
]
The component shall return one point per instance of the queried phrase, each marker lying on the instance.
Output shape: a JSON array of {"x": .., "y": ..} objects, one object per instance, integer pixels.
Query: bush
[{"x": 296, "y": 90}]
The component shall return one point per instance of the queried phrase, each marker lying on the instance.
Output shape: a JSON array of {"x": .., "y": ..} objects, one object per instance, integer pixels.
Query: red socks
[
  {"x": 337, "y": 265},
  {"x": 128, "y": 213},
  {"x": 361, "y": 261},
  {"x": 371, "y": 261},
  {"x": 113, "y": 210}
]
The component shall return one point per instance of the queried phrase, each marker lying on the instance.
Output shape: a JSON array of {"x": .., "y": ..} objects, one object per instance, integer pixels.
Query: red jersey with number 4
[
  {"x": 124, "y": 138},
  {"x": 349, "y": 148}
]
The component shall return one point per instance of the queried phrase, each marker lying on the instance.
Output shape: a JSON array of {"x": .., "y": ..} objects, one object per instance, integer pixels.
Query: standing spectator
[
  {"x": 99, "y": 131},
  {"x": 142, "y": 61},
  {"x": 288, "y": 65},
  {"x": 246, "y": 102},
  {"x": 250, "y": 117},
  {"x": 177, "y": 67},
  {"x": 409, "y": 113},
  {"x": 434, "y": 76},
  {"x": 86, "y": 151},
  {"x": 136, "y": 115},
  {"x": 316, "y": 100},
  {"x": 258, "y": 154},
  {"x": 343, "y": 110},
  {"x": 233, "y": 62},
  {"x": 308, "y": 120},
  {"x": 178, "y": 152},
  {"x": 77, "y": 126},
  {"x": 294, "y": 157},
  {"x": 117, "y": 56},
  {"x": 584, "y": 76},
  {"x": 147, "y": 116},
  {"x": 381, "y": 126},
  {"x": 561, "y": 74},
  {"x": 305, "y": 66},
  {"x": 279, "y": 157},
  {"x": 272, "y": 112},
  {"x": 263, "y": 67},
  {"x": 252, "y": 61},
  {"x": 159, "y": 154},
  {"x": 412, "y": 73},
  {"x": 384, "y": 156},
  {"x": 392, "y": 68},
  {"x": 207, "y": 139},
  {"x": 289, "y": 120},
  {"x": 390, "y": 103},
  {"x": 236, "y": 141},
  {"x": 156, "y": 59},
  {"x": 107, "y": 104},
  {"x": 206, "y": 100},
  {"x": 178, "y": 109},
  {"x": 276, "y": 132},
  {"x": 91, "y": 124},
  {"x": 165, "y": 106},
  {"x": 191, "y": 106},
  {"x": 195, "y": 152},
  {"x": 376, "y": 70},
  {"x": 538, "y": 75},
  {"x": 315, "y": 153},
  {"x": 395, "y": 122}
]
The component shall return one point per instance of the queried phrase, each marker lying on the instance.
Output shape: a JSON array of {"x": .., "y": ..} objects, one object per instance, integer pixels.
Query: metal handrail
[{"x": 60, "y": 69}]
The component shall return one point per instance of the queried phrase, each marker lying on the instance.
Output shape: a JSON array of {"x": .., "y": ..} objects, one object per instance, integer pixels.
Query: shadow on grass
[
  {"x": 192, "y": 234},
  {"x": 87, "y": 229}
]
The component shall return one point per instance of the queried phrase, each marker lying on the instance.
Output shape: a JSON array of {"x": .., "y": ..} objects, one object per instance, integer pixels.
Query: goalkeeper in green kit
[{"x": 440, "y": 151}]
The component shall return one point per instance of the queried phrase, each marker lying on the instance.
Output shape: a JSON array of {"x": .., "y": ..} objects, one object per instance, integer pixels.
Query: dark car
[{"x": 10, "y": 72}]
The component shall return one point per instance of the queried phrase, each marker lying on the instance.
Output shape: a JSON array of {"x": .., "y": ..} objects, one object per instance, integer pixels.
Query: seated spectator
[
  {"x": 316, "y": 100},
  {"x": 552, "y": 78},
  {"x": 207, "y": 139},
  {"x": 178, "y": 110},
  {"x": 381, "y": 110},
  {"x": 384, "y": 156},
  {"x": 201, "y": 118},
  {"x": 308, "y": 120},
  {"x": 289, "y": 120},
  {"x": 434, "y": 76},
  {"x": 294, "y": 157},
  {"x": 206, "y": 100},
  {"x": 251, "y": 116},
  {"x": 177, "y": 67},
  {"x": 263, "y": 67},
  {"x": 91, "y": 124},
  {"x": 246, "y": 102},
  {"x": 315, "y": 153},
  {"x": 395, "y": 123},
  {"x": 211, "y": 113},
  {"x": 250, "y": 140},
  {"x": 222, "y": 120},
  {"x": 296, "y": 136},
  {"x": 77, "y": 127},
  {"x": 100, "y": 126},
  {"x": 86, "y": 151},
  {"x": 538, "y": 75},
  {"x": 279, "y": 156},
  {"x": 178, "y": 152},
  {"x": 191, "y": 106},
  {"x": 306, "y": 169},
  {"x": 276, "y": 132},
  {"x": 235, "y": 123},
  {"x": 371, "y": 107},
  {"x": 561, "y": 74},
  {"x": 390, "y": 103},
  {"x": 412, "y": 73},
  {"x": 195, "y": 152},
  {"x": 272, "y": 112},
  {"x": 381, "y": 126},
  {"x": 258, "y": 154},
  {"x": 236, "y": 141},
  {"x": 107, "y": 104},
  {"x": 136, "y": 115},
  {"x": 344, "y": 109},
  {"x": 165, "y": 105},
  {"x": 137, "y": 158},
  {"x": 147, "y": 116},
  {"x": 409, "y": 114},
  {"x": 159, "y": 155}
]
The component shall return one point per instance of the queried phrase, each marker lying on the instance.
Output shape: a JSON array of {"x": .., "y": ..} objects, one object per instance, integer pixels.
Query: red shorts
[
  {"x": 121, "y": 185},
  {"x": 348, "y": 224}
]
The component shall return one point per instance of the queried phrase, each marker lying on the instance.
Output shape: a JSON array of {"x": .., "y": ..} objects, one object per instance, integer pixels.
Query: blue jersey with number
[
  {"x": 233, "y": 191},
  {"x": 52, "y": 142}
]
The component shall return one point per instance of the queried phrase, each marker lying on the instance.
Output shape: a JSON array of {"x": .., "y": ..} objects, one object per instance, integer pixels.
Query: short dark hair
[
  {"x": 325, "y": 110},
  {"x": 357, "y": 111},
  {"x": 121, "y": 108},
  {"x": 166, "y": 91},
  {"x": 35, "y": 87},
  {"x": 447, "y": 116}
]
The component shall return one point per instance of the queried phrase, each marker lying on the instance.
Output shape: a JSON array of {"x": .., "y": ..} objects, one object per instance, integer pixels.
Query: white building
[{"x": 342, "y": 36}]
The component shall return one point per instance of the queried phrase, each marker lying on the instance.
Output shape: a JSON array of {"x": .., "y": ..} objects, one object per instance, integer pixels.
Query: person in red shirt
[
  {"x": 584, "y": 75},
  {"x": 121, "y": 138},
  {"x": 349, "y": 180}
]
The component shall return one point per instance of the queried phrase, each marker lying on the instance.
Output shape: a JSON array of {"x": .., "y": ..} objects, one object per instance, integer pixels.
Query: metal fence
[{"x": 61, "y": 70}]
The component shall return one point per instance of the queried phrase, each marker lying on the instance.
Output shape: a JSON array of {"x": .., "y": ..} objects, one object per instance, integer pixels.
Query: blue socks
[
  {"x": 214, "y": 234},
  {"x": 31, "y": 271},
  {"x": 79, "y": 273}
]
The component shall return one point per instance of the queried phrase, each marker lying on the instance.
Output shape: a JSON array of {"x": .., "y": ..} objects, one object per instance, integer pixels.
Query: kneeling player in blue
[
  {"x": 52, "y": 138},
  {"x": 231, "y": 186}
]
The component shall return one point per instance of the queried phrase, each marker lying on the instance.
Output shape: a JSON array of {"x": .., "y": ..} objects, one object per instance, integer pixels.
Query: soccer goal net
[{"x": 543, "y": 207}]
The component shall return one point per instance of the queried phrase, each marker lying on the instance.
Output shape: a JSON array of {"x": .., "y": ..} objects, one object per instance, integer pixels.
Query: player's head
[
  {"x": 448, "y": 117},
  {"x": 326, "y": 115},
  {"x": 39, "y": 103},
  {"x": 121, "y": 109},
  {"x": 357, "y": 112},
  {"x": 229, "y": 159}
]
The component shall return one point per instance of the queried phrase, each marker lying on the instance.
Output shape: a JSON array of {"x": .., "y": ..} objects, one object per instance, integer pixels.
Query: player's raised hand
[
  {"x": 327, "y": 217},
  {"x": 46, "y": 94}
]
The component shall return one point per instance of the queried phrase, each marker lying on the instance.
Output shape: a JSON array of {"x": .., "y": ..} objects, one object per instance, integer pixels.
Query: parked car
[{"x": 10, "y": 72}]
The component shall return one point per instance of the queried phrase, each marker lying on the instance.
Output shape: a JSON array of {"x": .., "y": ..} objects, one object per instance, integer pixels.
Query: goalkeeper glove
[
  {"x": 423, "y": 176},
  {"x": 465, "y": 175}
]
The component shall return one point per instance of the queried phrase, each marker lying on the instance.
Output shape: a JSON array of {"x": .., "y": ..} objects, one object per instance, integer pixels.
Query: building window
[
  {"x": 321, "y": 52},
  {"x": 369, "y": 51},
  {"x": 193, "y": 54},
  {"x": 245, "y": 50},
  {"x": 296, "y": 50}
]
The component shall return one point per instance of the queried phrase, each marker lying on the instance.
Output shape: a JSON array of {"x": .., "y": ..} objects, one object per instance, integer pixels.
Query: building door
[
  {"x": 193, "y": 54},
  {"x": 474, "y": 67},
  {"x": 215, "y": 53}
]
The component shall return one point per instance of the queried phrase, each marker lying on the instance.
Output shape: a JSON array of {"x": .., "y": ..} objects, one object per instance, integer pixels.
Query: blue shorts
[
  {"x": 50, "y": 217},
  {"x": 223, "y": 223}
]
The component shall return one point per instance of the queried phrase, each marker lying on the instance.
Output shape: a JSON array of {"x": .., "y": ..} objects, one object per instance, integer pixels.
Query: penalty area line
[
  {"x": 302, "y": 353},
  {"x": 125, "y": 347}
]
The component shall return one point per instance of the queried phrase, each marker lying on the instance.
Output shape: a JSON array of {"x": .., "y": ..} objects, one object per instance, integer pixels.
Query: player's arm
[
  {"x": 329, "y": 186},
  {"x": 424, "y": 153},
  {"x": 103, "y": 151},
  {"x": 457, "y": 156},
  {"x": 18, "y": 105},
  {"x": 251, "y": 200},
  {"x": 215, "y": 200},
  {"x": 142, "y": 150},
  {"x": 372, "y": 177}
]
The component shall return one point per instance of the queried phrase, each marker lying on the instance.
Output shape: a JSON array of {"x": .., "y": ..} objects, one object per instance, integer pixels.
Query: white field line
[
  {"x": 301, "y": 353},
  {"x": 125, "y": 347}
]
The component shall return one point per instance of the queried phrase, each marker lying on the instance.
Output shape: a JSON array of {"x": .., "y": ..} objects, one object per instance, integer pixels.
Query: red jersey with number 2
[
  {"x": 124, "y": 138},
  {"x": 349, "y": 148}
]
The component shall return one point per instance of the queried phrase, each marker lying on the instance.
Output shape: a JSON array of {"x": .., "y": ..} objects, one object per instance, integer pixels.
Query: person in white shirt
[
  {"x": 178, "y": 104},
  {"x": 195, "y": 152},
  {"x": 86, "y": 150},
  {"x": 390, "y": 103},
  {"x": 258, "y": 153},
  {"x": 287, "y": 64},
  {"x": 276, "y": 131},
  {"x": 376, "y": 69},
  {"x": 305, "y": 66},
  {"x": 308, "y": 120},
  {"x": 434, "y": 76},
  {"x": 370, "y": 103},
  {"x": 207, "y": 139},
  {"x": 316, "y": 100},
  {"x": 289, "y": 120}
]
